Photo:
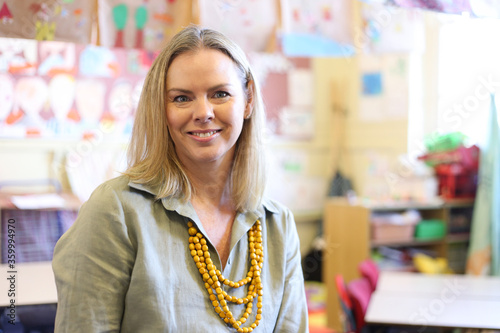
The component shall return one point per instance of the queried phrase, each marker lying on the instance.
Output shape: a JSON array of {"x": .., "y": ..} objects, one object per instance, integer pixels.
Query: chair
[
  {"x": 359, "y": 291},
  {"x": 348, "y": 321},
  {"x": 369, "y": 269}
]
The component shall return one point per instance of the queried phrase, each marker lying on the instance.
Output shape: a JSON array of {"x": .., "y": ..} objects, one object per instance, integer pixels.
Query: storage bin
[
  {"x": 430, "y": 229},
  {"x": 392, "y": 232}
]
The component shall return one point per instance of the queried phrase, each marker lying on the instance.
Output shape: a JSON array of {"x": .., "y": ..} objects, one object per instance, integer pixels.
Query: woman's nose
[{"x": 204, "y": 110}]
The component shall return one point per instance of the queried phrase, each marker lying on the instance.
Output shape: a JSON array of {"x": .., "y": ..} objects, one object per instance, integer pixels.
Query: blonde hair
[{"x": 152, "y": 158}]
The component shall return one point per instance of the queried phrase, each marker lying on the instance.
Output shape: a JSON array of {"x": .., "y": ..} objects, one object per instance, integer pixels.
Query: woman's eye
[
  {"x": 221, "y": 94},
  {"x": 181, "y": 99}
]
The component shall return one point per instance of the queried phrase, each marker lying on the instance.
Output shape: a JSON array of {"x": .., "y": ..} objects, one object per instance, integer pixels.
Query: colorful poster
[
  {"x": 251, "y": 24},
  {"x": 317, "y": 28},
  {"x": 68, "y": 91},
  {"x": 141, "y": 24},
  {"x": 69, "y": 20}
]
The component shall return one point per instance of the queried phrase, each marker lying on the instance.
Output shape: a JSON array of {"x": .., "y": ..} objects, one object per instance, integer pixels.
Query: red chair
[
  {"x": 359, "y": 291},
  {"x": 348, "y": 321},
  {"x": 369, "y": 269}
]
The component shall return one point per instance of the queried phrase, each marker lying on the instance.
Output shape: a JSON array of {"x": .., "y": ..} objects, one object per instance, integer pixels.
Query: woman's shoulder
[
  {"x": 121, "y": 189},
  {"x": 275, "y": 207}
]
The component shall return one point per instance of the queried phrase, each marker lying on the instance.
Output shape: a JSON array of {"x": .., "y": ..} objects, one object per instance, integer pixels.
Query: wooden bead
[{"x": 213, "y": 278}]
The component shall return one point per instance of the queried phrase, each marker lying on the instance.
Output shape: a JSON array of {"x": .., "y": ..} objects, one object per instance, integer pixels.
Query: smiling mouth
[{"x": 205, "y": 134}]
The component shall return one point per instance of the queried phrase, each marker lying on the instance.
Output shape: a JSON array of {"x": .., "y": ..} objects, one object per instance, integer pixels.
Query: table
[
  {"x": 34, "y": 284},
  {"x": 413, "y": 299}
]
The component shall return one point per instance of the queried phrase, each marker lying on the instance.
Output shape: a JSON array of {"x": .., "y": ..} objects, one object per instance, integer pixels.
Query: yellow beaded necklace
[{"x": 213, "y": 277}]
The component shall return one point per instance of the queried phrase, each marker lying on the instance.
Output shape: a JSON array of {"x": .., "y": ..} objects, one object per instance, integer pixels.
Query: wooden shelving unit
[{"x": 348, "y": 238}]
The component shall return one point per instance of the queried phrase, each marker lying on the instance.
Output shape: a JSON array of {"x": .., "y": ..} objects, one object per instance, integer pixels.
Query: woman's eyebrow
[
  {"x": 184, "y": 91},
  {"x": 187, "y": 91}
]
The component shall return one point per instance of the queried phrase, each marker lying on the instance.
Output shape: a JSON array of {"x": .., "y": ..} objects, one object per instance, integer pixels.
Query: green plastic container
[
  {"x": 430, "y": 229},
  {"x": 444, "y": 142}
]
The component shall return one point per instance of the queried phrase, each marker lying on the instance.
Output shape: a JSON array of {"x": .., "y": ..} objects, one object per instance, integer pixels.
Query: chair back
[
  {"x": 360, "y": 291},
  {"x": 348, "y": 321},
  {"x": 369, "y": 269}
]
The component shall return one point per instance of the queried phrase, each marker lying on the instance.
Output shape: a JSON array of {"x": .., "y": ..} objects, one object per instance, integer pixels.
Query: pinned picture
[
  {"x": 140, "y": 24},
  {"x": 18, "y": 56}
]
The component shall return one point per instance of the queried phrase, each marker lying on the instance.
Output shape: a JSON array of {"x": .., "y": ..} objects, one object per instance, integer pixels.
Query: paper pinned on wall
[
  {"x": 397, "y": 86},
  {"x": 390, "y": 29},
  {"x": 18, "y": 56},
  {"x": 251, "y": 24},
  {"x": 317, "y": 28},
  {"x": 56, "y": 58},
  {"x": 296, "y": 123},
  {"x": 301, "y": 87},
  {"x": 384, "y": 87},
  {"x": 141, "y": 24}
]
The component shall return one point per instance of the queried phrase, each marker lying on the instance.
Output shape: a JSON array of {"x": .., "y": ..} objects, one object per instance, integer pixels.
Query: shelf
[
  {"x": 405, "y": 242},
  {"x": 458, "y": 238}
]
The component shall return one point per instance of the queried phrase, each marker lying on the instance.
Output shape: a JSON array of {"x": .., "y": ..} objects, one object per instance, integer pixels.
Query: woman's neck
[{"x": 211, "y": 184}]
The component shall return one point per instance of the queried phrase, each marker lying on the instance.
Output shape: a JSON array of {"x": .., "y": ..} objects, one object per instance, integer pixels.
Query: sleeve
[
  {"x": 92, "y": 264},
  {"x": 293, "y": 316}
]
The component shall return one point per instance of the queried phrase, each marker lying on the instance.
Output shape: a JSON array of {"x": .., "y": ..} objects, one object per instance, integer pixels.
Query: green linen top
[{"x": 125, "y": 266}]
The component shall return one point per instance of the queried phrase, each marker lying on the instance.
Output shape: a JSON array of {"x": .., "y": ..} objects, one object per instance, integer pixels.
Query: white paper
[
  {"x": 392, "y": 102},
  {"x": 38, "y": 201},
  {"x": 250, "y": 24},
  {"x": 300, "y": 87}
]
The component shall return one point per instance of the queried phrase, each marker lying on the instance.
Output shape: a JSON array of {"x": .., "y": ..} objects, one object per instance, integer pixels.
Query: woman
[{"x": 185, "y": 241}]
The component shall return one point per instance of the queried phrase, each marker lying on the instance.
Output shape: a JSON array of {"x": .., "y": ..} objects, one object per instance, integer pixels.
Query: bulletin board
[{"x": 68, "y": 91}]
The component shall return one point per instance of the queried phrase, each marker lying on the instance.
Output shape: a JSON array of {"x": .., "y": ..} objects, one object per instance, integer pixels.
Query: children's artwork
[
  {"x": 384, "y": 87},
  {"x": 251, "y": 24},
  {"x": 98, "y": 61},
  {"x": 89, "y": 99},
  {"x": 388, "y": 29},
  {"x": 56, "y": 57},
  {"x": 61, "y": 96},
  {"x": 31, "y": 94},
  {"x": 69, "y": 91},
  {"x": 47, "y": 20},
  {"x": 141, "y": 24},
  {"x": 317, "y": 28},
  {"x": 18, "y": 56}
]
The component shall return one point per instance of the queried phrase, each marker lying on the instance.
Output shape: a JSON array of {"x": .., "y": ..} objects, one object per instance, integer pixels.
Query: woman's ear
[{"x": 250, "y": 99}]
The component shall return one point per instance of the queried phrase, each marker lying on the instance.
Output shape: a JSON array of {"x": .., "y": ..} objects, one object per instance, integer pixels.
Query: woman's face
[{"x": 206, "y": 106}]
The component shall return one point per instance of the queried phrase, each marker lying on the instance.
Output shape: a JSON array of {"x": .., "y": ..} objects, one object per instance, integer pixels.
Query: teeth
[{"x": 205, "y": 135}]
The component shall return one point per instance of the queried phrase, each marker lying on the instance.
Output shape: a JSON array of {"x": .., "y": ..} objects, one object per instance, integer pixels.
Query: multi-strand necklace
[{"x": 214, "y": 279}]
